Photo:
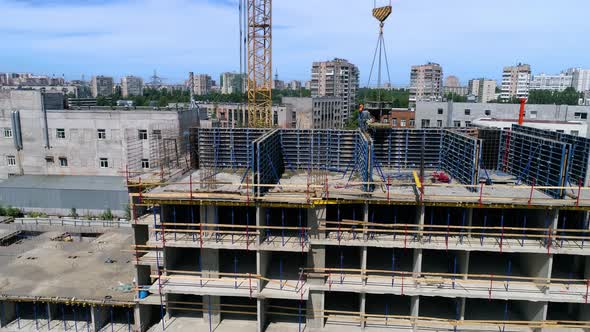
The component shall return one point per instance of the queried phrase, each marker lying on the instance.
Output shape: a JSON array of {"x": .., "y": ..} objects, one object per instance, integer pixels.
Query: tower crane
[{"x": 259, "y": 67}]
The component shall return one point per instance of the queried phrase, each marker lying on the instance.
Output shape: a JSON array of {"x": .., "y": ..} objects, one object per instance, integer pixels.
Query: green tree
[
  {"x": 398, "y": 97},
  {"x": 456, "y": 98}
]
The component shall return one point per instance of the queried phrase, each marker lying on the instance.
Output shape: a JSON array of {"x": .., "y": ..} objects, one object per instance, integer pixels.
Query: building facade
[
  {"x": 232, "y": 83},
  {"x": 483, "y": 89},
  {"x": 131, "y": 86},
  {"x": 400, "y": 118},
  {"x": 202, "y": 84},
  {"x": 295, "y": 85},
  {"x": 516, "y": 81},
  {"x": 449, "y": 114},
  {"x": 315, "y": 112},
  {"x": 580, "y": 79},
  {"x": 558, "y": 82},
  {"x": 91, "y": 141},
  {"x": 336, "y": 78},
  {"x": 102, "y": 86},
  {"x": 426, "y": 83}
]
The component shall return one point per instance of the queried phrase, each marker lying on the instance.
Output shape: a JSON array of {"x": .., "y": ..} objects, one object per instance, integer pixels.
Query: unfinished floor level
[{"x": 293, "y": 230}]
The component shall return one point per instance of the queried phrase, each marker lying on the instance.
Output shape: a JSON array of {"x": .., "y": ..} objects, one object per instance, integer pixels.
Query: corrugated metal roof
[{"x": 69, "y": 182}]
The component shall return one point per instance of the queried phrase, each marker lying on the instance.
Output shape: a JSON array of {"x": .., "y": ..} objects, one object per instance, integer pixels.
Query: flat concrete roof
[{"x": 85, "y": 268}]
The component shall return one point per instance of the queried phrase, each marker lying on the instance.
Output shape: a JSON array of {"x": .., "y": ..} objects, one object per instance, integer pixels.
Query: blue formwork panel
[
  {"x": 460, "y": 156},
  {"x": 535, "y": 160},
  {"x": 402, "y": 149},
  {"x": 268, "y": 161},
  {"x": 329, "y": 149},
  {"x": 227, "y": 147},
  {"x": 577, "y": 165}
]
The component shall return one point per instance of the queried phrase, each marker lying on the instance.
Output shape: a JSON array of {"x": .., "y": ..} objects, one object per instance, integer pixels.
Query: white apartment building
[
  {"x": 232, "y": 83},
  {"x": 336, "y": 78},
  {"x": 102, "y": 86},
  {"x": 131, "y": 86},
  {"x": 558, "y": 82},
  {"x": 314, "y": 113},
  {"x": 580, "y": 79},
  {"x": 483, "y": 89},
  {"x": 295, "y": 85},
  {"x": 516, "y": 81},
  {"x": 426, "y": 82},
  {"x": 202, "y": 84}
]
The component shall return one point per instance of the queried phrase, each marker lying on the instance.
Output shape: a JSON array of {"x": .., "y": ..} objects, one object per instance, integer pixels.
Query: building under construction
[{"x": 293, "y": 230}]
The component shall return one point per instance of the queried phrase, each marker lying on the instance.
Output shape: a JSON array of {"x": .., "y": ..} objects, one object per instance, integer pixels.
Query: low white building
[
  {"x": 91, "y": 141},
  {"x": 576, "y": 128}
]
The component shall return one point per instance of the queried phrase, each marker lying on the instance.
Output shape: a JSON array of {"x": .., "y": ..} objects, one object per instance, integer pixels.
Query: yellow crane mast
[{"x": 259, "y": 63}]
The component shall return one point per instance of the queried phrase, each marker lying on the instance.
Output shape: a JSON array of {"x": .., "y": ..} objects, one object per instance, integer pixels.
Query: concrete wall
[
  {"x": 456, "y": 112},
  {"x": 81, "y": 145}
]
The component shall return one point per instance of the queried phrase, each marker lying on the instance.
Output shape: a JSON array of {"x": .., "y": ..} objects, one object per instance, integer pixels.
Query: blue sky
[{"x": 470, "y": 38}]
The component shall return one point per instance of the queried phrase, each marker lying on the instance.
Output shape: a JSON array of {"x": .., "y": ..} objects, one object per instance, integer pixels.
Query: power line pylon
[{"x": 259, "y": 63}]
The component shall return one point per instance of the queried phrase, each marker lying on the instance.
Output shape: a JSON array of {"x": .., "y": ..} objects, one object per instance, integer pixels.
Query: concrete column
[
  {"x": 464, "y": 263},
  {"x": 364, "y": 264},
  {"x": 52, "y": 312},
  {"x": 210, "y": 262},
  {"x": 362, "y": 306},
  {"x": 533, "y": 311},
  {"x": 262, "y": 259},
  {"x": 463, "y": 305},
  {"x": 261, "y": 315},
  {"x": 417, "y": 263},
  {"x": 316, "y": 260},
  {"x": 208, "y": 214},
  {"x": 469, "y": 220},
  {"x": 414, "y": 310},
  {"x": 142, "y": 317},
  {"x": 99, "y": 316},
  {"x": 315, "y": 310},
  {"x": 8, "y": 313},
  {"x": 314, "y": 216},
  {"x": 212, "y": 310},
  {"x": 260, "y": 221},
  {"x": 417, "y": 259}
]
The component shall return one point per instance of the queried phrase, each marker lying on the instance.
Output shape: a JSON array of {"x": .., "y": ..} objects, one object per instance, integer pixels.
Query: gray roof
[{"x": 66, "y": 182}]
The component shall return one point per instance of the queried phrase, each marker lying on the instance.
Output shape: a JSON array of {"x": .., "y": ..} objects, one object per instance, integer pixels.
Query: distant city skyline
[{"x": 123, "y": 37}]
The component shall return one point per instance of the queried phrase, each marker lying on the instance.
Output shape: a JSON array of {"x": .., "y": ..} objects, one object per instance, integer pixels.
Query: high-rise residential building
[
  {"x": 558, "y": 82},
  {"x": 307, "y": 85},
  {"x": 452, "y": 82},
  {"x": 101, "y": 86},
  {"x": 131, "y": 86},
  {"x": 483, "y": 89},
  {"x": 453, "y": 86},
  {"x": 232, "y": 83},
  {"x": 278, "y": 84},
  {"x": 202, "y": 84},
  {"x": 516, "y": 81},
  {"x": 294, "y": 85},
  {"x": 336, "y": 78},
  {"x": 580, "y": 79},
  {"x": 426, "y": 82}
]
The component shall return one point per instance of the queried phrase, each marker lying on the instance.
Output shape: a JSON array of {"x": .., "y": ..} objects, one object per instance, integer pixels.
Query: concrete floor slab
[{"x": 82, "y": 268}]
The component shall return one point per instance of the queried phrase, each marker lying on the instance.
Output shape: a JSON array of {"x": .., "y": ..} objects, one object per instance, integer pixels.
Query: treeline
[
  {"x": 569, "y": 96},
  {"x": 400, "y": 98},
  {"x": 161, "y": 98}
]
